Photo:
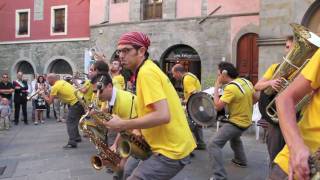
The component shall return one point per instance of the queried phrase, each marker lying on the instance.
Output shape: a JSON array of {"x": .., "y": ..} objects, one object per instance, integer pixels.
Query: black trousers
[{"x": 17, "y": 106}]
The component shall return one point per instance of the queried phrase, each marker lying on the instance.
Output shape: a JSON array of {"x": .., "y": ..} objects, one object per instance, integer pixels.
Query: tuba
[{"x": 305, "y": 46}]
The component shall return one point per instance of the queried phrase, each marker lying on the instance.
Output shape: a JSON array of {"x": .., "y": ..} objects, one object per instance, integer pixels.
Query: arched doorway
[
  {"x": 26, "y": 68},
  {"x": 61, "y": 67},
  {"x": 312, "y": 18},
  {"x": 185, "y": 55},
  {"x": 247, "y": 57}
]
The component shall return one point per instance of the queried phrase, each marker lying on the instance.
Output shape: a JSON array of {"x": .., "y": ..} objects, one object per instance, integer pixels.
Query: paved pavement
[{"x": 35, "y": 153}]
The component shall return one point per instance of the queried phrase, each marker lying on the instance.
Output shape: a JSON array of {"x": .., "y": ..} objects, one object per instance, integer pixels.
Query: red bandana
[{"x": 135, "y": 38}]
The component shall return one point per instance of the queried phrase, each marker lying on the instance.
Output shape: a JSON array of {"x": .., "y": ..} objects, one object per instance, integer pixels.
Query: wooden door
[{"x": 247, "y": 57}]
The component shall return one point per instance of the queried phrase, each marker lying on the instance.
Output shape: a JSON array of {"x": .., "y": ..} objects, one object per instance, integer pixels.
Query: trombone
[{"x": 34, "y": 94}]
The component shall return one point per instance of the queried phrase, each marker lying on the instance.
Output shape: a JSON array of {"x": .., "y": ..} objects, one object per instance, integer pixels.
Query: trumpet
[{"x": 34, "y": 94}]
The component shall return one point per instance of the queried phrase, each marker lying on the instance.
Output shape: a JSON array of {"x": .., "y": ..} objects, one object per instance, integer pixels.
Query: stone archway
[
  {"x": 311, "y": 18},
  {"x": 26, "y": 68},
  {"x": 183, "y": 54},
  {"x": 61, "y": 67}
]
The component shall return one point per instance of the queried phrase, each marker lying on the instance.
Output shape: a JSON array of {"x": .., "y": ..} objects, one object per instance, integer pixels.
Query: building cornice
[
  {"x": 271, "y": 41},
  {"x": 222, "y": 16},
  {"x": 45, "y": 41}
]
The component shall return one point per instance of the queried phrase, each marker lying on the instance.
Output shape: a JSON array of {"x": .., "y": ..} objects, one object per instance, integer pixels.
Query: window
[
  {"x": 23, "y": 23},
  {"x": 152, "y": 9},
  {"x": 59, "y": 20},
  {"x": 119, "y": 1}
]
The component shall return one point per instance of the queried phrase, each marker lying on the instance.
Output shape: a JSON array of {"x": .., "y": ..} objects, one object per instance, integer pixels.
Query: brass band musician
[
  {"x": 302, "y": 139},
  {"x": 65, "y": 92},
  {"x": 239, "y": 96},
  {"x": 190, "y": 84},
  {"x": 275, "y": 141},
  {"x": 160, "y": 115}
]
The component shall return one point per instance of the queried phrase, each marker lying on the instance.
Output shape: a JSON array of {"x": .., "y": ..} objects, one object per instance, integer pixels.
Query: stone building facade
[
  {"x": 205, "y": 43},
  {"x": 43, "y": 36},
  {"x": 202, "y": 38},
  {"x": 275, "y": 17}
]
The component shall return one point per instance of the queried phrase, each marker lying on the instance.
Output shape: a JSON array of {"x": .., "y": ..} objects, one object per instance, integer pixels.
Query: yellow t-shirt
[
  {"x": 118, "y": 82},
  {"x": 190, "y": 84},
  {"x": 88, "y": 95},
  {"x": 270, "y": 71},
  {"x": 174, "y": 139},
  {"x": 309, "y": 125},
  {"x": 64, "y": 91},
  {"x": 125, "y": 106},
  {"x": 239, "y": 104}
]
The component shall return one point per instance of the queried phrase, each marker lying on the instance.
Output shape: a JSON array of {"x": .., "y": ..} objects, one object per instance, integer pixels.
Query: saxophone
[
  {"x": 130, "y": 143},
  {"x": 106, "y": 157},
  {"x": 133, "y": 145},
  {"x": 96, "y": 133}
]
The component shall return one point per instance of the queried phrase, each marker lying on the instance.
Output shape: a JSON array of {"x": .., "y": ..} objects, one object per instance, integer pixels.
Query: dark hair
[
  {"x": 229, "y": 67},
  {"x": 38, "y": 79},
  {"x": 289, "y": 38},
  {"x": 146, "y": 54},
  {"x": 179, "y": 68},
  {"x": 5, "y": 74},
  {"x": 101, "y": 67},
  {"x": 105, "y": 78}
]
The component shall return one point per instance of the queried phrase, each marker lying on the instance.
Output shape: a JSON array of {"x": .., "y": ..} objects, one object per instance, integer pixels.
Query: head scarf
[{"x": 135, "y": 38}]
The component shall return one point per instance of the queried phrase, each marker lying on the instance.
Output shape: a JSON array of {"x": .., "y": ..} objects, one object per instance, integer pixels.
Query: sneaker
[
  {"x": 192, "y": 155},
  {"x": 69, "y": 146},
  {"x": 26, "y": 122},
  {"x": 109, "y": 171},
  {"x": 201, "y": 146},
  {"x": 36, "y": 123},
  {"x": 42, "y": 122},
  {"x": 239, "y": 164}
]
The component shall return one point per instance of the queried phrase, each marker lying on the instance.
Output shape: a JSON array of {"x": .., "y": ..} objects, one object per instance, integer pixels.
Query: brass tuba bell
[{"x": 305, "y": 45}]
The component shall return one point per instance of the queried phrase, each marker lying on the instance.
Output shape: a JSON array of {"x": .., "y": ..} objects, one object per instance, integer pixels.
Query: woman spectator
[{"x": 40, "y": 102}]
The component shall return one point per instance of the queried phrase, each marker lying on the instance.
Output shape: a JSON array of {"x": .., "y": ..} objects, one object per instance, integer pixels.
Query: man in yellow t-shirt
[
  {"x": 65, "y": 92},
  {"x": 117, "y": 78},
  {"x": 96, "y": 68},
  {"x": 302, "y": 138},
  {"x": 190, "y": 84},
  {"x": 161, "y": 117},
  {"x": 275, "y": 140},
  {"x": 120, "y": 102},
  {"x": 239, "y": 97},
  {"x": 87, "y": 91}
]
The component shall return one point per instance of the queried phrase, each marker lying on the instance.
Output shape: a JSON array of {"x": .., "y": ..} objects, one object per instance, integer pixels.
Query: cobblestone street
[{"x": 35, "y": 153}]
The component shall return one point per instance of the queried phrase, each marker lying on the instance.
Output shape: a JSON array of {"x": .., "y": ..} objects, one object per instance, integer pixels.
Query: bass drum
[{"x": 200, "y": 108}]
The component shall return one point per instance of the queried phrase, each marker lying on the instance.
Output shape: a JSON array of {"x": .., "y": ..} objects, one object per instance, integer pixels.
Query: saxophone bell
[
  {"x": 97, "y": 162},
  {"x": 133, "y": 145}
]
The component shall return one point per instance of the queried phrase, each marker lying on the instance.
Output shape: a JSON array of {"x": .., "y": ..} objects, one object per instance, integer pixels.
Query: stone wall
[
  {"x": 275, "y": 17},
  {"x": 210, "y": 39},
  {"x": 41, "y": 55}
]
